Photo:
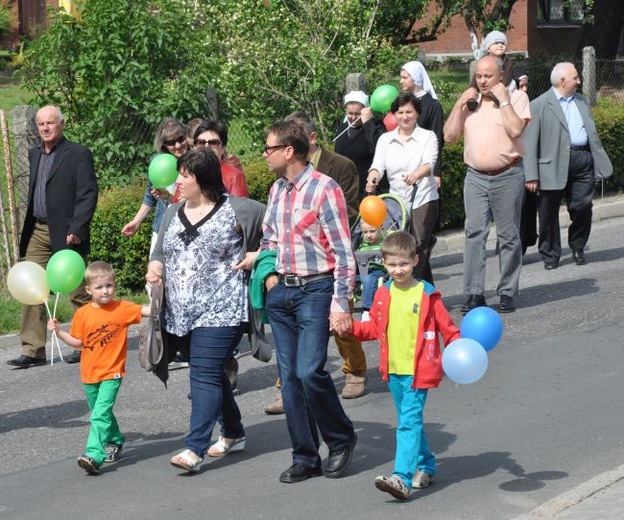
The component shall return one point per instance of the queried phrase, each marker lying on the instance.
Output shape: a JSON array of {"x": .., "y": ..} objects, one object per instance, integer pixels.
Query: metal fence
[{"x": 606, "y": 83}]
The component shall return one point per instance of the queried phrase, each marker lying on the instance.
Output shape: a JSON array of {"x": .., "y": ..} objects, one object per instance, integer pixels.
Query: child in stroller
[
  {"x": 366, "y": 241},
  {"x": 370, "y": 265}
]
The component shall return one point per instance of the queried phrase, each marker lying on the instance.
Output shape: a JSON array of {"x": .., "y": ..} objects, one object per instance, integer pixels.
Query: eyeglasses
[
  {"x": 209, "y": 142},
  {"x": 172, "y": 142},
  {"x": 268, "y": 149}
]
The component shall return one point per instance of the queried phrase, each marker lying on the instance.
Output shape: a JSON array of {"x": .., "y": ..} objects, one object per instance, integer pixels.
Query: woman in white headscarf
[
  {"x": 414, "y": 79},
  {"x": 357, "y": 135}
]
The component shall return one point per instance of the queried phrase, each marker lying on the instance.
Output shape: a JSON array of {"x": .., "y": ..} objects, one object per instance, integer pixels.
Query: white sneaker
[{"x": 365, "y": 316}]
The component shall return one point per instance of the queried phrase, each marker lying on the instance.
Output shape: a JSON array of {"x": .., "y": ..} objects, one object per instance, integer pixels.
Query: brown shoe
[
  {"x": 276, "y": 407},
  {"x": 354, "y": 387}
]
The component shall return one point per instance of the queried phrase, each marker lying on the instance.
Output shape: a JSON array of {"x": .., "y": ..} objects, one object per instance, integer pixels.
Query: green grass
[
  {"x": 10, "y": 311},
  {"x": 11, "y": 95}
]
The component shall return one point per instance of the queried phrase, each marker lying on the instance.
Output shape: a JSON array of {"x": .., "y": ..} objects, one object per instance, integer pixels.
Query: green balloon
[
  {"x": 163, "y": 170},
  {"x": 65, "y": 271},
  {"x": 382, "y": 98}
]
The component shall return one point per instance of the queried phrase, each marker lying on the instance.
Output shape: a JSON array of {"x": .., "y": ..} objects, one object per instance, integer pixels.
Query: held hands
[{"x": 341, "y": 323}]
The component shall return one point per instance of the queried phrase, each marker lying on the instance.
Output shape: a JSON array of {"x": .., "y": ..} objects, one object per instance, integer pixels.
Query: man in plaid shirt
[{"x": 306, "y": 223}]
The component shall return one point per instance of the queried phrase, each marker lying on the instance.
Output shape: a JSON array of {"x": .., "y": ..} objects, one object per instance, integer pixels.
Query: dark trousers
[
  {"x": 528, "y": 220},
  {"x": 424, "y": 220},
  {"x": 579, "y": 192}
]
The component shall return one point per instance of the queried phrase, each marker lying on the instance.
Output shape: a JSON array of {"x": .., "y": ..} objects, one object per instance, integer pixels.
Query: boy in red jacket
[{"x": 406, "y": 317}]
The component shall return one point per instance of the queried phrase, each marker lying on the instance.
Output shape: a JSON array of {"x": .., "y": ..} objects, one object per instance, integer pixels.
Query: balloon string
[
  {"x": 55, "y": 340},
  {"x": 56, "y": 304},
  {"x": 350, "y": 125}
]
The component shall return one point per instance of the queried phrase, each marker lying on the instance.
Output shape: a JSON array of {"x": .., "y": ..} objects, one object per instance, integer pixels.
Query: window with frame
[{"x": 561, "y": 11}]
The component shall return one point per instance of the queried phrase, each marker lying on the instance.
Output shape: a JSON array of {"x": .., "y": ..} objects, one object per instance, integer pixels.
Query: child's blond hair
[
  {"x": 98, "y": 269},
  {"x": 399, "y": 244}
]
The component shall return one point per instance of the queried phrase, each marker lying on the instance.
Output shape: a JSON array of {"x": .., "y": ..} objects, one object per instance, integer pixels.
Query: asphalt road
[{"x": 547, "y": 416}]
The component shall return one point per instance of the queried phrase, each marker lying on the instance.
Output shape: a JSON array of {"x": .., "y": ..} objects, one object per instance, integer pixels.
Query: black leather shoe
[
  {"x": 579, "y": 257},
  {"x": 549, "y": 266},
  {"x": 338, "y": 460},
  {"x": 299, "y": 473},
  {"x": 74, "y": 357},
  {"x": 506, "y": 304},
  {"x": 26, "y": 361},
  {"x": 473, "y": 301}
]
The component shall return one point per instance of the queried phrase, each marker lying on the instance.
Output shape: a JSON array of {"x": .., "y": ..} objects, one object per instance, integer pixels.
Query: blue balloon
[
  {"x": 464, "y": 361},
  {"x": 484, "y": 325}
]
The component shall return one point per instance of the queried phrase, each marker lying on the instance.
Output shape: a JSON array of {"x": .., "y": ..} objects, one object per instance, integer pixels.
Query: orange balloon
[{"x": 373, "y": 210}]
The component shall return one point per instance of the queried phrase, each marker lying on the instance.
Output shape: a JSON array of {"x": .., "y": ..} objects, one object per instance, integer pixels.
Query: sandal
[
  {"x": 187, "y": 460},
  {"x": 393, "y": 485},
  {"x": 225, "y": 446}
]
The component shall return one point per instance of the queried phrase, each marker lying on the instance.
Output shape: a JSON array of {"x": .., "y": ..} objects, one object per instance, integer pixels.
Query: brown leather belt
[
  {"x": 291, "y": 280},
  {"x": 500, "y": 170},
  {"x": 42, "y": 222}
]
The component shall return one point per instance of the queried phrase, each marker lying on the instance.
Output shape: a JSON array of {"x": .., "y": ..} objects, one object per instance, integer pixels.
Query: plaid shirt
[{"x": 306, "y": 222}]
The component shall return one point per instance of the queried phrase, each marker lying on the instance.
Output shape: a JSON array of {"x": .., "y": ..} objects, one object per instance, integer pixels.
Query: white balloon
[
  {"x": 464, "y": 361},
  {"x": 27, "y": 283}
]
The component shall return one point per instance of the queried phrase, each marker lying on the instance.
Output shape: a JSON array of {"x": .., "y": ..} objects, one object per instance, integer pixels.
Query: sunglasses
[
  {"x": 209, "y": 142},
  {"x": 172, "y": 142}
]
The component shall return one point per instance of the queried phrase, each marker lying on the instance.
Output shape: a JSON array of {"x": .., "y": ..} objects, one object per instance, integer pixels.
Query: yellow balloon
[{"x": 27, "y": 283}]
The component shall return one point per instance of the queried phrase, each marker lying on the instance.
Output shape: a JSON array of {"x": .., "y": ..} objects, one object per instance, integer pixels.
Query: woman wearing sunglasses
[
  {"x": 170, "y": 138},
  {"x": 214, "y": 135}
]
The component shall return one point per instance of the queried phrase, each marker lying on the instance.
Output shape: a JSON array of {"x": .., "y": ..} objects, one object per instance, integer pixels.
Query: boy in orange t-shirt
[{"x": 100, "y": 330}]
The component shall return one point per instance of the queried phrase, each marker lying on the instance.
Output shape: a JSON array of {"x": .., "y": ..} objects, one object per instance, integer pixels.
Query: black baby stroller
[{"x": 397, "y": 219}]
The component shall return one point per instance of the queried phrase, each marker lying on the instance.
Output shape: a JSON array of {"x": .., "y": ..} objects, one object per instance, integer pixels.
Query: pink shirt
[
  {"x": 487, "y": 146},
  {"x": 306, "y": 222}
]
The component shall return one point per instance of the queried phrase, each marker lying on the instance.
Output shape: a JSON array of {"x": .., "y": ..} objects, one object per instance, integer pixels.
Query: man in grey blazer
[
  {"x": 564, "y": 157},
  {"x": 62, "y": 196}
]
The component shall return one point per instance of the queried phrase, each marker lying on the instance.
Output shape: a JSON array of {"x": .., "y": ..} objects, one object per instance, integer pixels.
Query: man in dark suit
[
  {"x": 564, "y": 157},
  {"x": 62, "y": 197}
]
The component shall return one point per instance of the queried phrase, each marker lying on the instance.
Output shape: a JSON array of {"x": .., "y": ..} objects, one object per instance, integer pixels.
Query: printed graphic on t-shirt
[{"x": 103, "y": 336}]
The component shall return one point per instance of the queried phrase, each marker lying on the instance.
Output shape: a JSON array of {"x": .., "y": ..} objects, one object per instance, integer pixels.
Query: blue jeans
[
  {"x": 299, "y": 318},
  {"x": 212, "y": 398},
  {"x": 412, "y": 451},
  {"x": 370, "y": 284}
]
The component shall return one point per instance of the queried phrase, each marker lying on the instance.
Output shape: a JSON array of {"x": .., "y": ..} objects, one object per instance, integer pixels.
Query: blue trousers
[
  {"x": 212, "y": 398},
  {"x": 370, "y": 284},
  {"x": 299, "y": 318},
  {"x": 412, "y": 450}
]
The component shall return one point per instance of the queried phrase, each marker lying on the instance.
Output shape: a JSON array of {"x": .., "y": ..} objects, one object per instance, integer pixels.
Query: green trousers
[{"x": 104, "y": 428}]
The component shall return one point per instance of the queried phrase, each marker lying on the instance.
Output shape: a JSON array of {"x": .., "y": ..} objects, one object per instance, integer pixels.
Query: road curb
[{"x": 566, "y": 500}]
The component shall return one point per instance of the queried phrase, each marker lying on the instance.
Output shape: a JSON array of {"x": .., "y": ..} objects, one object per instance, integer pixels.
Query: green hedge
[
  {"x": 609, "y": 116},
  {"x": 128, "y": 255}
]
